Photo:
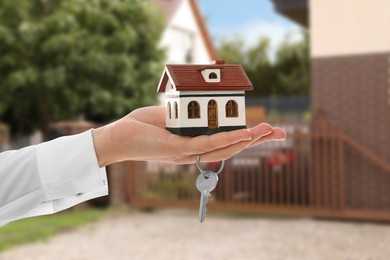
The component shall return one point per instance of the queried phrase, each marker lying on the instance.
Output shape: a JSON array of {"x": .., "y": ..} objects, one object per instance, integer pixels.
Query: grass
[
  {"x": 42, "y": 228},
  {"x": 250, "y": 215}
]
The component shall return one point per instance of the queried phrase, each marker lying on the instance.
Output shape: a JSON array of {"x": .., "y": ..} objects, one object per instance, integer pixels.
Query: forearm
[{"x": 49, "y": 177}]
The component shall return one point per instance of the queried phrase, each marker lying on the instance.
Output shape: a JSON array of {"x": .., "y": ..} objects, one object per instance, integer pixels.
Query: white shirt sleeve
[{"x": 49, "y": 177}]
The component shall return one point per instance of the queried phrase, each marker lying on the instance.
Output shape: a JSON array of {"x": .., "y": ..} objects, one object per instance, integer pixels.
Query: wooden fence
[{"x": 317, "y": 172}]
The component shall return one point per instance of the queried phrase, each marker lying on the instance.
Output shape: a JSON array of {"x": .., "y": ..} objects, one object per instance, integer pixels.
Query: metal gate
[{"x": 313, "y": 173}]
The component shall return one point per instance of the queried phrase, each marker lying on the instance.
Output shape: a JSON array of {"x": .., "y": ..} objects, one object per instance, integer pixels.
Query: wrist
[{"x": 103, "y": 145}]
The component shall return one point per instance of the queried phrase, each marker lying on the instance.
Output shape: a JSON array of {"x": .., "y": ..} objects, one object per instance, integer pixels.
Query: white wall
[
  {"x": 183, "y": 102},
  {"x": 182, "y": 33},
  {"x": 345, "y": 27}
]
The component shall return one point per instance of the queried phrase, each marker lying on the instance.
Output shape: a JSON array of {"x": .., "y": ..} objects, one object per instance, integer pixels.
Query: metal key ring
[{"x": 200, "y": 169}]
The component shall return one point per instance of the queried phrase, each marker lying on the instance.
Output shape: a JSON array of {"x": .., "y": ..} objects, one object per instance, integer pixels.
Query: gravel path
[{"x": 176, "y": 234}]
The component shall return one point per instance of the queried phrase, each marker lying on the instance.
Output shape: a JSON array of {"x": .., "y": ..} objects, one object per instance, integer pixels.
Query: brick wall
[{"x": 354, "y": 91}]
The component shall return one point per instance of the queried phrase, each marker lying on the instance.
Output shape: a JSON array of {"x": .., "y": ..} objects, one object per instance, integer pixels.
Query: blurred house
[
  {"x": 185, "y": 38},
  {"x": 350, "y": 57},
  {"x": 350, "y": 65}
]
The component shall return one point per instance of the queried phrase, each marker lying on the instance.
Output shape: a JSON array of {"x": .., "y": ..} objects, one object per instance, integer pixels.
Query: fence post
[{"x": 342, "y": 191}]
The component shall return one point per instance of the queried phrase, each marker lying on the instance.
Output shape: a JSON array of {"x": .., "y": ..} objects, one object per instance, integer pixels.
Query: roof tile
[{"x": 189, "y": 77}]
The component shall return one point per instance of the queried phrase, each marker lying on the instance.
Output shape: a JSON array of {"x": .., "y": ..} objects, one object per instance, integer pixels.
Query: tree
[
  {"x": 63, "y": 59},
  {"x": 260, "y": 69},
  {"x": 293, "y": 68},
  {"x": 232, "y": 51},
  {"x": 286, "y": 76}
]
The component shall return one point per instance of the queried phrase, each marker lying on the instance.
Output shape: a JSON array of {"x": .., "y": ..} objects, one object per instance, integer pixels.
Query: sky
[{"x": 249, "y": 19}]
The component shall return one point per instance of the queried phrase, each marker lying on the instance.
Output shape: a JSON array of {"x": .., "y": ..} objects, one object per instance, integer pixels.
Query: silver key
[{"x": 205, "y": 183}]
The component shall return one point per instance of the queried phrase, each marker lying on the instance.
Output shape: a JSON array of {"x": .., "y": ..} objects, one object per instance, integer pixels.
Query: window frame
[
  {"x": 193, "y": 110},
  {"x": 231, "y": 109}
]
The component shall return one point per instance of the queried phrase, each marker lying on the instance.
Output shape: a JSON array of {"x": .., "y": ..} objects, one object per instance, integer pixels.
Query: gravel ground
[{"x": 176, "y": 234}]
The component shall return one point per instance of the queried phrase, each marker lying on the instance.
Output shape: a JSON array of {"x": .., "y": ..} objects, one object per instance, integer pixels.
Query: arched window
[
  {"x": 169, "y": 110},
  {"x": 213, "y": 75},
  {"x": 176, "y": 110},
  {"x": 231, "y": 109},
  {"x": 193, "y": 110}
]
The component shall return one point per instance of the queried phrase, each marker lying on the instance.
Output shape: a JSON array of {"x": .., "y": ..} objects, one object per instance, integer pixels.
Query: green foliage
[
  {"x": 288, "y": 75},
  {"x": 232, "y": 51},
  {"x": 42, "y": 228},
  {"x": 61, "y": 59}
]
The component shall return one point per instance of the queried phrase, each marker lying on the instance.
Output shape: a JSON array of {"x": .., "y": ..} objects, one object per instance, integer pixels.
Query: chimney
[{"x": 219, "y": 62}]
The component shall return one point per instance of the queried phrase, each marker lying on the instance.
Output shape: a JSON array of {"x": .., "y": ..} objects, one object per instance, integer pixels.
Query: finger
[
  {"x": 216, "y": 155},
  {"x": 260, "y": 130},
  {"x": 219, "y": 155},
  {"x": 227, "y": 152},
  {"x": 278, "y": 134},
  {"x": 206, "y": 143}
]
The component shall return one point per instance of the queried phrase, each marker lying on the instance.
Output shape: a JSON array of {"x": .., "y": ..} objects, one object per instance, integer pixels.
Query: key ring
[{"x": 200, "y": 169}]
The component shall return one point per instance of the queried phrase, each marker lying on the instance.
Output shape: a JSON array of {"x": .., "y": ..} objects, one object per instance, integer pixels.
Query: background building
[
  {"x": 350, "y": 62},
  {"x": 185, "y": 38}
]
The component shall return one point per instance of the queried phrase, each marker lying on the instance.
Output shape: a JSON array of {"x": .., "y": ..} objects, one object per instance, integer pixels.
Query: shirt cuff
[{"x": 69, "y": 172}]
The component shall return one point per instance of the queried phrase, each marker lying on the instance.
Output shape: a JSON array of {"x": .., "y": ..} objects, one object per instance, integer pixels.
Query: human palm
[{"x": 141, "y": 135}]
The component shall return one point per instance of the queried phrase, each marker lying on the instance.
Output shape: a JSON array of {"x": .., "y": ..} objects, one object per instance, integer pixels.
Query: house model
[{"x": 204, "y": 99}]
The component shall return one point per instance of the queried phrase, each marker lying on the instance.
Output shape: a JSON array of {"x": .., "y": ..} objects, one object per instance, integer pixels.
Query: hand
[{"x": 141, "y": 136}]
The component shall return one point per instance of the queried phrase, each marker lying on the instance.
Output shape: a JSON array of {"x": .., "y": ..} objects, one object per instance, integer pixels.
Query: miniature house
[{"x": 204, "y": 99}]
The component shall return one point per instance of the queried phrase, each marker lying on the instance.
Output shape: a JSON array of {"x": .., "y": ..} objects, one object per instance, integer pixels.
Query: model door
[{"x": 213, "y": 114}]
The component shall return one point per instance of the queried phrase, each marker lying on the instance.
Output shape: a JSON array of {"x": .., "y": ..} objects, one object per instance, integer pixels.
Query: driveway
[{"x": 177, "y": 234}]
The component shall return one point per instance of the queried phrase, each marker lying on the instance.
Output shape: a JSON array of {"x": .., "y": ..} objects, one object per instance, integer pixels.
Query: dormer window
[{"x": 213, "y": 75}]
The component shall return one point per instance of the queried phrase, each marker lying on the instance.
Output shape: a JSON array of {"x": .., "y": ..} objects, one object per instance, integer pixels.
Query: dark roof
[
  {"x": 296, "y": 10},
  {"x": 189, "y": 77}
]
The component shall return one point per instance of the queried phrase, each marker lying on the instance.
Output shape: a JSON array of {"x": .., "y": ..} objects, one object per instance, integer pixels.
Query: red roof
[
  {"x": 189, "y": 77},
  {"x": 169, "y": 7}
]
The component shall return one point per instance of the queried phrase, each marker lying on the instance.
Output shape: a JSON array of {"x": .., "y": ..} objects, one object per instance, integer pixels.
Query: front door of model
[{"x": 213, "y": 114}]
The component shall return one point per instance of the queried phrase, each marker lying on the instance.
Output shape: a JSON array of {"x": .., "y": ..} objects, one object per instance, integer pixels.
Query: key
[{"x": 205, "y": 183}]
